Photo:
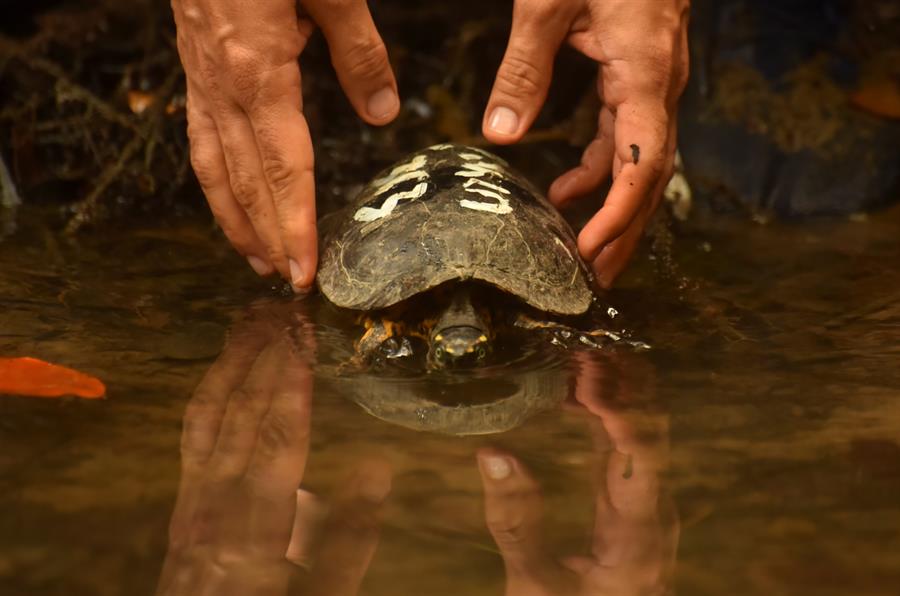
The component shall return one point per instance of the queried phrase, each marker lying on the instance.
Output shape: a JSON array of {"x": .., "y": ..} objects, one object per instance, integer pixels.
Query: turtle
[{"x": 449, "y": 245}]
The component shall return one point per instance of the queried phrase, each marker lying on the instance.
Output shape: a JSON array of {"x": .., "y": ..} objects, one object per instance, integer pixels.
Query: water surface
[{"x": 753, "y": 450}]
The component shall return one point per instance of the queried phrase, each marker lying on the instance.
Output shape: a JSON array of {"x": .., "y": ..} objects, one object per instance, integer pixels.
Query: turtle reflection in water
[{"x": 452, "y": 247}]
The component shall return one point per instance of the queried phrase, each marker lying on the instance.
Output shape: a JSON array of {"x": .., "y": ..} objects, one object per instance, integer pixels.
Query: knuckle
[
  {"x": 508, "y": 533},
  {"x": 366, "y": 58},
  {"x": 246, "y": 193},
  {"x": 245, "y": 398},
  {"x": 206, "y": 170},
  {"x": 280, "y": 173},
  {"x": 203, "y": 156},
  {"x": 243, "y": 69},
  {"x": 277, "y": 433},
  {"x": 518, "y": 76}
]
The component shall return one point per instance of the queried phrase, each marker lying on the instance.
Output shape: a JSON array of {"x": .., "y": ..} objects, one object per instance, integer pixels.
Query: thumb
[{"x": 538, "y": 29}]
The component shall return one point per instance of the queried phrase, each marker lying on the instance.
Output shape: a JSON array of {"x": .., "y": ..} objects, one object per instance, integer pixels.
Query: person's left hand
[{"x": 641, "y": 49}]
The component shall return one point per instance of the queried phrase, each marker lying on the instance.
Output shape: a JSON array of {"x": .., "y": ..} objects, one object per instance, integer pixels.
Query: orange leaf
[{"x": 36, "y": 378}]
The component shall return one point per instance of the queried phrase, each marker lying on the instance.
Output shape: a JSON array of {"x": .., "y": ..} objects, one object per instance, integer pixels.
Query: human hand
[
  {"x": 641, "y": 49},
  {"x": 636, "y": 527},
  {"x": 240, "y": 525},
  {"x": 250, "y": 144}
]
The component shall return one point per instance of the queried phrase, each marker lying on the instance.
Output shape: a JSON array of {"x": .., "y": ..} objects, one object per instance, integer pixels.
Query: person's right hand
[{"x": 250, "y": 145}]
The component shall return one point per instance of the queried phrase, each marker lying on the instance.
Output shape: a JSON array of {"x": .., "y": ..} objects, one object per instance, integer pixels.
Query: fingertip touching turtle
[{"x": 449, "y": 246}]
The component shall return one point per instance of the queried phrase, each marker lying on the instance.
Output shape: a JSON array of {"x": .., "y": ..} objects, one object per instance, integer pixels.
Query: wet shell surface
[{"x": 451, "y": 212}]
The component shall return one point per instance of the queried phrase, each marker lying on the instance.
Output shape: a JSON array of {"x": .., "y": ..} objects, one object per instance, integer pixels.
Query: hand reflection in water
[
  {"x": 636, "y": 526},
  {"x": 244, "y": 447}
]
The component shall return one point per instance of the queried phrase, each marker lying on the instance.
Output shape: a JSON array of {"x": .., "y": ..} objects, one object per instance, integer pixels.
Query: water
[{"x": 753, "y": 450}]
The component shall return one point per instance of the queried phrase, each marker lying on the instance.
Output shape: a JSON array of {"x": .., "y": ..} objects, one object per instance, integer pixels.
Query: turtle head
[{"x": 459, "y": 346}]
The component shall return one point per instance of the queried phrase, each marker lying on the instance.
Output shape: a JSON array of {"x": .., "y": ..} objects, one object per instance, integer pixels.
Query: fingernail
[
  {"x": 296, "y": 274},
  {"x": 495, "y": 467},
  {"x": 503, "y": 121},
  {"x": 383, "y": 103},
  {"x": 260, "y": 266}
]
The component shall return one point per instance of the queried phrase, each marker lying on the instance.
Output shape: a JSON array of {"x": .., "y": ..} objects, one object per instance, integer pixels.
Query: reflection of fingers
[
  {"x": 204, "y": 413},
  {"x": 279, "y": 456},
  {"x": 244, "y": 412},
  {"x": 513, "y": 509},
  {"x": 640, "y": 145},
  {"x": 351, "y": 533},
  {"x": 208, "y": 162},
  {"x": 359, "y": 57},
  {"x": 596, "y": 165},
  {"x": 248, "y": 181},
  {"x": 538, "y": 29},
  {"x": 286, "y": 154}
]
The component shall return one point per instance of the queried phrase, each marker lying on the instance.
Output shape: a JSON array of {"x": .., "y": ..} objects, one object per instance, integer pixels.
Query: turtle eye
[
  {"x": 480, "y": 352},
  {"x": 439, "y": 353}
]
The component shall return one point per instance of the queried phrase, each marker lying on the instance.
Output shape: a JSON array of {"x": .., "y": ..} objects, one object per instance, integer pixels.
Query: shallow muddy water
[{"x": 754, "y": 449}]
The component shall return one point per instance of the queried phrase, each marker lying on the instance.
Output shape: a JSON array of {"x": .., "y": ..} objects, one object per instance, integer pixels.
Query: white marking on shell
[
  {"x": 390, "y": 203},
  {"x": 501, "y": 208},
  {"x": 470, "y": 156},
  {"x": 476, "y": 185},
  {"x": 442, "y": 147},
  {"x": 564, "y": 247},
  {"x": 391, "y": 178},
  {"x": 480, "y": 168},
  {"x": 414, "y": 175},
  {"x": 473, "y": 181}
]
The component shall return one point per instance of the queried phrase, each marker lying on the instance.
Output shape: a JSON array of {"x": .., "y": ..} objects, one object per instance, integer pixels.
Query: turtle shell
[{"x": 451, "y": 212}]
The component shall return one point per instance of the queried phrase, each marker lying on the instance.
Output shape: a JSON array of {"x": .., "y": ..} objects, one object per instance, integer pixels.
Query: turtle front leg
[
  {"x": 383, "y": 337},
  {"x": 377, "y": 332}
]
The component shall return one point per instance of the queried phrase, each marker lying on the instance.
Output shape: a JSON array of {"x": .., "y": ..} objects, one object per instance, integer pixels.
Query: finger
[
  {"x": 351, "y": 532},
  {"x": 204, "y": 412},
  {"x": 640, "y": 136},
  {"x": 279, "y": 456},
  {"x": 638, "y": 436},
  {"x": 359, "y": 57},
  {"x": 538, "y": 29},
  {"x": 615, "y": 257},
  {"x": 596, "y": 165},
  {"x": 513, "y": 509},
  {"x": 209, "y": 166},
  {"x": 286, "y": 155},
  {"x": 202, "y": 422},
  {"x": 240, "y": 425},
  {"x": 248, "y": 182}
]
